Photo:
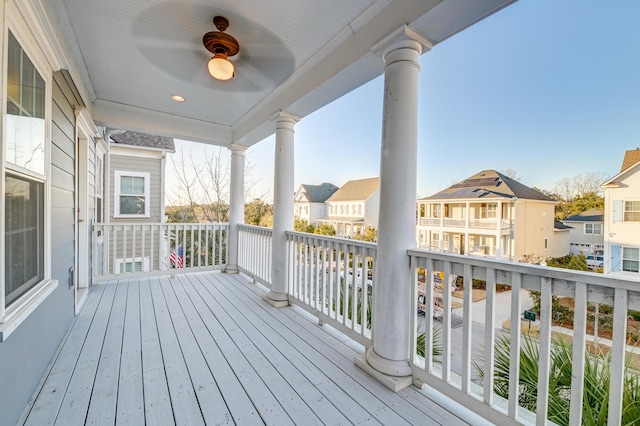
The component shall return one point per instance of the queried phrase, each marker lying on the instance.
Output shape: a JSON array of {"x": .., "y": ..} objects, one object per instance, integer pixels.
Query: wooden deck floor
[{"x": 203, "y": 348}]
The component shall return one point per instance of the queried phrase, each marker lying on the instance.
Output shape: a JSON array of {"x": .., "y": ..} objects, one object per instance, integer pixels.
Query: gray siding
[
  {"x": 142, "y": 165},
  {"x": 26, "y": 354}
]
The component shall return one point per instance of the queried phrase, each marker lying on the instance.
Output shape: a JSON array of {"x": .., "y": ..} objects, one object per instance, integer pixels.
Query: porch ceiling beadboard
[{"x": 294, "y": 55}]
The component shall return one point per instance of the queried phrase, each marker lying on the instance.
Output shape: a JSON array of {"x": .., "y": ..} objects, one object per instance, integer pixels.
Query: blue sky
[{"x": 548, "y": 88}]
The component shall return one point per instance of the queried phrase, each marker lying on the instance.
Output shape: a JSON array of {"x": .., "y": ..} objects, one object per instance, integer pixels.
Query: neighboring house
[
  {"x": 586, "y": 233},
  {"x": 309, "y": 201},
  {"x": 354, "y": 207},
  {"x": 137, "y": 187},
  {"x": 622, "y": 218},
  {"x": 490, "y": 214}
]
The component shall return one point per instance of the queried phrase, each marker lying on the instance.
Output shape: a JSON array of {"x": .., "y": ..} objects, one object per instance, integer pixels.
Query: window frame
[
  {"x": 144, "y": 263},
  {"x": 593, "y": 226},
  {"x": 633, "y": 212},
  {"x": 20, "y": 309},
  {"x": 624, "y": 250},
  {"x": 117, "y": 174}
]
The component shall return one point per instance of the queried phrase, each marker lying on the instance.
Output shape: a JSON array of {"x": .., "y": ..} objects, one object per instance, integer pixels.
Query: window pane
[
  {"x": 137, "y": 186},
  {"x": 25, "y": 126},
  {"x": 631, "y": 266},
  {"x": 24, "y": 237},
  {"x": 125, "y": 184},
  {"x": 131, "y": 204}
]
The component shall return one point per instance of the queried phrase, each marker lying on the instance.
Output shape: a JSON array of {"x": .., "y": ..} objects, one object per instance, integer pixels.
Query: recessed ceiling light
[{"x": 178, "y": 98}]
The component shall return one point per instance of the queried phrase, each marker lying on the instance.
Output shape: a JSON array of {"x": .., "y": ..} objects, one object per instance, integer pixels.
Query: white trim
[
  {"x": 20, "y": 309},
  {"x": 138, "y": 151},
  {"x": 117, "y": 174}
]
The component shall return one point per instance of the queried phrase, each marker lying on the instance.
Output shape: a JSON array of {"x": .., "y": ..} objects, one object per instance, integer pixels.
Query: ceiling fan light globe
[{"x": 220, "y": 68}]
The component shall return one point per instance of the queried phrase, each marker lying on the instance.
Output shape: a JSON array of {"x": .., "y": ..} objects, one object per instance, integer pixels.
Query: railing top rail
[
  {"x": 261, "y": 228},
  {"x": 610, "y": 281},
  {"x": 364, "y": 244},
  {"x": 160, "y": 223}
]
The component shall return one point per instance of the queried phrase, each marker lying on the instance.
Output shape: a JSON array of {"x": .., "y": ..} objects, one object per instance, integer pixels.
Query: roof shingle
[
  {"x": 489, "y": 184},
  {"x": 144, "y": 140},
  {"x": 356, "y": 190}
]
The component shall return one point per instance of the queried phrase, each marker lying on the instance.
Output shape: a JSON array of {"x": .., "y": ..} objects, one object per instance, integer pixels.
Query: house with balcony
[
  {"x": 586, "y": 233},
  {"x": 136, "y": 177},
  {"x": 490, "y": 214},
  {"x": 218, "y": 340},
  {"x": 353, "y": 207},
  {"x": 310, "y": 201},
  {"x": 622, "y": 218}
]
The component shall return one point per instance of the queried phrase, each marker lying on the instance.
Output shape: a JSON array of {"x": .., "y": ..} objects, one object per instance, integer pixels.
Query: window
[
  {"x": 546, "y": 243},
  {"x": 593, "y": 228},
  {"x": 488, "y": 210},
  {"x": 436, "y": 211},
  {"x": 631, "y": 259},
  {"x": 131, "y": 196},
  {"x": 632, "y": 211},
  {"x": 25, "y": 177}
]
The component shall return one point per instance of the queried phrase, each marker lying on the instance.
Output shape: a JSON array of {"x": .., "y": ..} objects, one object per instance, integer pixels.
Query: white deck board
[{"x": 204, "y": 348}]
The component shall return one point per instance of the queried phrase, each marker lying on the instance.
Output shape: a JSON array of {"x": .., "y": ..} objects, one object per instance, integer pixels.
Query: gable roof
[
  {"x": 356, "y": 190},
  {"x": 489, "y": 184},
  {"x": 630, "y": 164},
  {"x": 144, "y": 140},
  {"x": 631, "y": 157},
  {"x": 593, "y": 215},
  {"x": 318, "y": 193}
]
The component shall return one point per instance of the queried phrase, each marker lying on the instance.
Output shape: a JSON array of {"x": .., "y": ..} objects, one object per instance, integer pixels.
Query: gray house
[
  {"x": 586, "y": 235},
  {"x": 136, "y": 192},
  {"x": 309, "y": 201}
]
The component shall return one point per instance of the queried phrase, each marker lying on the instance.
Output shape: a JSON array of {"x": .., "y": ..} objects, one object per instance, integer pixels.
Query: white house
[
  {"x": 354, "y": 207},
  {"x": 586, "y": 233},
  {"x": 490, "y": 214},
  {"x": 137, "y": 189},
  {"x": 309, "y": 201},
  {"x": 622, "y": 218}
]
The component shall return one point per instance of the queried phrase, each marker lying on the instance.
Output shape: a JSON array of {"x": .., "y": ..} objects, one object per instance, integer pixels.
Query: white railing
[
  {"x": 483, "y": 223},
  {"x": 332, "y": 278},
  {"x": 456, "y": 223},
  {"x": 430, "y": 221},
  {"x": 157, "y": 248},
  {"x": 583, "y": 287},
  {"x": 254, "y": 252}
]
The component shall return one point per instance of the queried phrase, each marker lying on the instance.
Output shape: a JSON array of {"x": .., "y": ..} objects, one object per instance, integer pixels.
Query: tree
[
  {"x": 510, "y": 173},
  {"x": 255, "y": 210},
  {"x": 203, "y": 185},
  {"x": 301, "y": 225},
  {"x": 325, "y": 229},
  {"x": 370, "y": 234},
  {"x": 579, "y": 185}
]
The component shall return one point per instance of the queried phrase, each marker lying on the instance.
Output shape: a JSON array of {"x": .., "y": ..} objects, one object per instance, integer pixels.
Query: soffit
[{"x": 294, "y": 55}]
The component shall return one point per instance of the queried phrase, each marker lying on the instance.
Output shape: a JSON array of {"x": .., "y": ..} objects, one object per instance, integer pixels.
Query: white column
[
  {"x": 283, "y": 195},
  {"x": 499, "y": 231},
  {"x": 236, "y": 205},
  {"x": 391, "y": 314}
]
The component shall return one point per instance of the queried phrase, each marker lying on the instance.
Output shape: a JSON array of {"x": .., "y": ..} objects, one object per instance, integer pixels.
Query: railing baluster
[
  {"x": 467, "y": 328},
  {"x": 579, "y": 341},
  {"x": 618, "y": 350},
  {"x": 489, "y": 336},
  {"x": 428, "y": 316},
  {"x": 545, "y": 350},
  {"x": 514, "y": 350},
  {"x": 446, "y": 323}
]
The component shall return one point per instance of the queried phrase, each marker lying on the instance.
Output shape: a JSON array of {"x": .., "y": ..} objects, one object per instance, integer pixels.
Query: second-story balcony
[
  {"x": 488, "y": 224},
  {"x": 190, "y": 344}
]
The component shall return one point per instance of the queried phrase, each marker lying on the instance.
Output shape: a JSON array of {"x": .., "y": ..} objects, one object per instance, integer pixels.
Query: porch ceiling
[{"x": 295, "y": 56}]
